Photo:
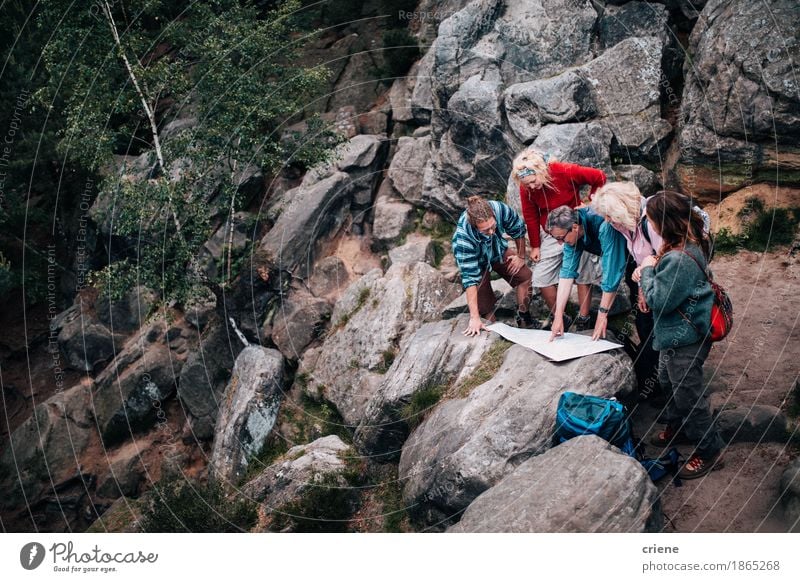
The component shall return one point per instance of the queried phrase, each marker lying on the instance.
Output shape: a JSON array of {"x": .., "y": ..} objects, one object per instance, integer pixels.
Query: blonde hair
[
  {"x": 619, "y": 202},
  {"x": 478, "y": 210},
  {"x": 532, "y": 159}
]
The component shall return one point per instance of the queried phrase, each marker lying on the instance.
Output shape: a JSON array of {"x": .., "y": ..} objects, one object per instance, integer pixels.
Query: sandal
[{"x": 697, "y": 466}]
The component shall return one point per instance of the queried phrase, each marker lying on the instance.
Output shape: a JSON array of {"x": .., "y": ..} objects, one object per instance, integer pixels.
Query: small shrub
[
  {"x": 325, "y": 506},
  {"x": 400, "y": 50},
  {"x": 422, "y": 401},
  {"x": 762, "y": 229},
  {"x": 387, "y": 359},
  {"x": 184, "y": 507}
]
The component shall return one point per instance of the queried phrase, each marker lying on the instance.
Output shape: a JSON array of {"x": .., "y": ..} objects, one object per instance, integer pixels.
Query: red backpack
[{"x": 721, "y": 309}]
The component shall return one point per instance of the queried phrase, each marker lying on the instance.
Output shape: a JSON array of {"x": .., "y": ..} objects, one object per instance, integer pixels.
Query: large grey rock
[
  {"x": 561, "y": 99},
  {"x": 125, "y": 474},
  {"x": 313, "y": 212},
  {"x": 318, "y": 207},
  {"x": 298, "y": 322},
  {"x": 401, "y": 95},
  {"x": 647, "y": 181},
  {"x": 417, "y": 249},
  {"x": 633, "y": 19},
  {"x": 429, "y": 14},
  {"x": 128, "y": 313},
  {"x": 45, "y": 450},
  {"x": 369, "y": 322},
  {"x": 421, "y": 99},
  {"x": 85, "y": 343},
  {"x": 468, "y": 445},
  {"x": 790, "y": 494},
  {"x": 357, "y": 85},
  {"x": 330, "y": 276},
  {"x": 473, "y": 152},
  {"x": 583, "y": 485},
  {"x": 437, "y": 356},
  {"x": 298, "y": 469},
  {"x": 250, "y": 407},
  {"x": 756, "y": 424},
  {"x": 129, "y": 392},
  {"x": 580, "y": 143},
  {"x": 393, "y": 218},
  {"x": 204, "y": 376},
  {"x": 624, "y": 85},
  {"x": 408, "y": 164},
  {"x": 740, "y": 107}
]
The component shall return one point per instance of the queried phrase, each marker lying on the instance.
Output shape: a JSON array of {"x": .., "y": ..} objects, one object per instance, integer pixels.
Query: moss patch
[
  {"x": 421, "y": 402},
  {"x": 490, "y": 364}
]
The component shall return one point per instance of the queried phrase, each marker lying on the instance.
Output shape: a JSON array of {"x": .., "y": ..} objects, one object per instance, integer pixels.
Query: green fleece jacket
[{"x": 676, "y": 284}]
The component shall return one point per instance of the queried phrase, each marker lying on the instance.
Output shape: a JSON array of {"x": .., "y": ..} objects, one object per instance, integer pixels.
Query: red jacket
[{"x": 566, "y": 181}]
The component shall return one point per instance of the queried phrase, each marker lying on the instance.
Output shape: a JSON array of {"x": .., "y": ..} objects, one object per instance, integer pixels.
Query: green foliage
[
  {"x": 763, "y": 229},
  {"x": 311, "y": 420},
  {"x": 180, "y": 507},
  {"x": 231, "y": 65},
  {"x": 422, "y": 401},
  {"x": 326, "y": 505},
  {"x": 400, "y": 51}
]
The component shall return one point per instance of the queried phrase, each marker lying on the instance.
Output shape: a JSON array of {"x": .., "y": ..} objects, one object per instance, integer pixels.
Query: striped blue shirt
[{"x": 475, "y": 252}]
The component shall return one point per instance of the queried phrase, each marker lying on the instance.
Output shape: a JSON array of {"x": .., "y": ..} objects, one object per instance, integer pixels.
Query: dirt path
[{"x": 757, "y": 364}]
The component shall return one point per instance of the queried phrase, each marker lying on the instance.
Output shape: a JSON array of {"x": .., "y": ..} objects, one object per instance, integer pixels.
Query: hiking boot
[
  {"x": 696, "y": 466},
  {"x": 567, "y": 322},
  {"x": 525, "y": 320},
  {"x": 669, "y": 436},
  {"x": 583, "y": 322}
]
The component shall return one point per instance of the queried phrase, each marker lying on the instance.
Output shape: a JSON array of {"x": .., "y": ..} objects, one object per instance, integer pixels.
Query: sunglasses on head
[{"x": 525, "y": 172}]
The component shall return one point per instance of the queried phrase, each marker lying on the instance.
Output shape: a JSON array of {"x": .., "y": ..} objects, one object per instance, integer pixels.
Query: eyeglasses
[
  {"x": 561, "y": 238},
  {"x": 525, "y": 172}
]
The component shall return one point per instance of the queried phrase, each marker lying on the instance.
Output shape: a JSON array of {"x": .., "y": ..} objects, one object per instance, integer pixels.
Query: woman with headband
[{"x": 544, "y": 185}]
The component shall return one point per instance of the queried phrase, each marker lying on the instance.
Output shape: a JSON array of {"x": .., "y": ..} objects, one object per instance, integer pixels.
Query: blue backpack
[{"x": 582, "y": 414}]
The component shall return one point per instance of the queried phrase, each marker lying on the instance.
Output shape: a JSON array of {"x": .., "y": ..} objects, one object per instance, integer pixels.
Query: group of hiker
[{"x": 659, "y": 245}]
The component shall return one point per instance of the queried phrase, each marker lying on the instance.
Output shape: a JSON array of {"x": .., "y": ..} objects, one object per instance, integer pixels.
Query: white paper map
[{"x": 569, "y": 346}]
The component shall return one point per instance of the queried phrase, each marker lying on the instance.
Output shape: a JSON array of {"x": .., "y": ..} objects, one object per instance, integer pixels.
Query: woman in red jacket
[{"x": 545, "y": 184}]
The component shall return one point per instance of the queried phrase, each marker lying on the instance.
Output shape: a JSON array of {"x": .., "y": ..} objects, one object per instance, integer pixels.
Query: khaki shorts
[{"x": 546, "y": 271}]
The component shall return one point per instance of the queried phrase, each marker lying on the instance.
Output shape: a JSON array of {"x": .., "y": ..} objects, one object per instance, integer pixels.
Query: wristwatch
[{"x": 603, "y": 310}]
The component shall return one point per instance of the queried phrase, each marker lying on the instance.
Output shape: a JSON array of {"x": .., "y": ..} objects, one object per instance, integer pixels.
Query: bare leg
[
  {"x": 523, "y": 295},
  {"x": 549, "y": 296},
  {"x": 584, "y": 299}
]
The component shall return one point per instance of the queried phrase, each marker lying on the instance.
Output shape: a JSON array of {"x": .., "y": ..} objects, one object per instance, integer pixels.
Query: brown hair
[
  {"x": 676, "y": 221},
  {"x": 478, "y": 210}
]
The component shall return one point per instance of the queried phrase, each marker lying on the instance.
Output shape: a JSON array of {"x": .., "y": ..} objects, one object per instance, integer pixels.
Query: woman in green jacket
[{"x": 677, "y": 290}]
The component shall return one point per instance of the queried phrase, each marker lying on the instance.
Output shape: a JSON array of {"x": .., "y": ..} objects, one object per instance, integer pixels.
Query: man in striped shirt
[{"x": 479, "y": 248}]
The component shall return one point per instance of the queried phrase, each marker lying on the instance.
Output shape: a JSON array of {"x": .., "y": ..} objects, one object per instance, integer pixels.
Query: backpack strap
[{"x": 708, "y": 278}]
